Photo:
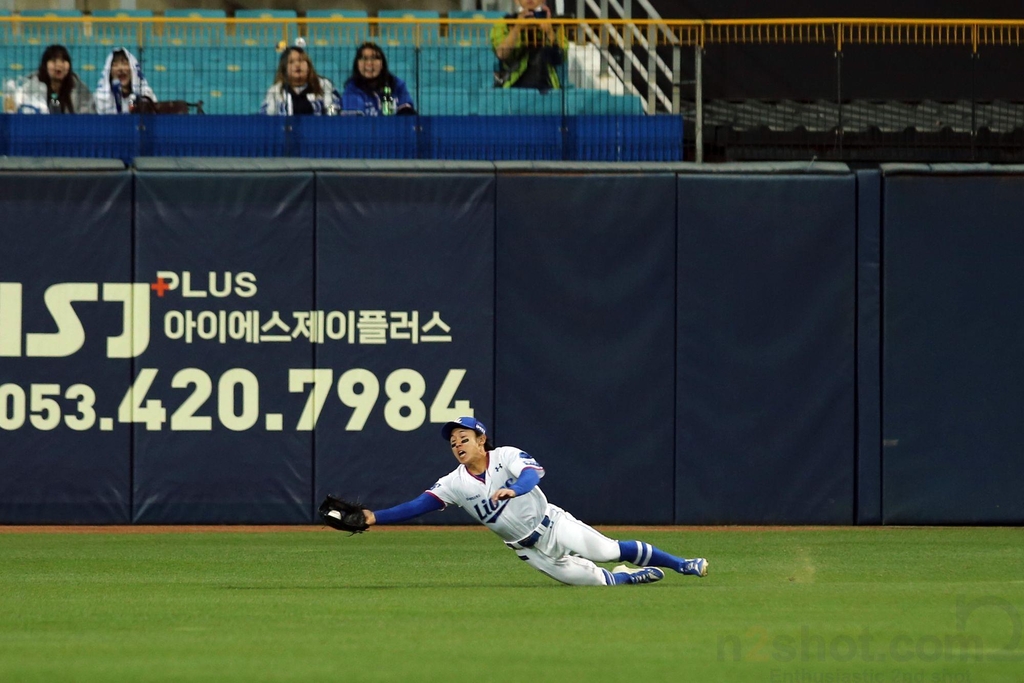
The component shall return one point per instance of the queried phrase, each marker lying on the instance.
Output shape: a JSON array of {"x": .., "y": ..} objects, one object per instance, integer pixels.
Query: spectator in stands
[
  {"x": 297, "y": 88},
  {"x": 122, "y": 84},
  {"x": 529, "y": 54},
  {"x": 53, "y": 89},
  {"x": 372, "y": 90}
]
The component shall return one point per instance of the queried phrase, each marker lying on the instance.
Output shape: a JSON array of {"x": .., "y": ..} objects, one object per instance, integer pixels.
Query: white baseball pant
[{"x": 566, "y": 535}]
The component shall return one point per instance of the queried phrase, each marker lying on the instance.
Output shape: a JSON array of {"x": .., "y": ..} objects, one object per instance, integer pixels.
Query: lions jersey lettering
[{"x": 512, "y": 519}]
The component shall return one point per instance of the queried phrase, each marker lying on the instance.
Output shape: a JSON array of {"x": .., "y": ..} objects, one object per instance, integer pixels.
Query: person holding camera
[{"x": 528, "y": 53}]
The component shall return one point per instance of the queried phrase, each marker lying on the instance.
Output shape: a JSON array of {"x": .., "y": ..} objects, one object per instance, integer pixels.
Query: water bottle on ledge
[{"x": 387, "y": 102}]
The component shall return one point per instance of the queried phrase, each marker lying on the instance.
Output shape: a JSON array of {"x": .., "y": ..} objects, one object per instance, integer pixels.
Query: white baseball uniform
[{"x": 542, "y": 534}]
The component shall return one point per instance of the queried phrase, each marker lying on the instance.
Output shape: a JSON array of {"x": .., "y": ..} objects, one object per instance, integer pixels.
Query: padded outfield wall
[{"x": 199, "y": 341}]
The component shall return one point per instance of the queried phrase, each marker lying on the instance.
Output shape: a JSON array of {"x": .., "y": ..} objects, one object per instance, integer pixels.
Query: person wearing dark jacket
[{"x": 372, "y": 90}]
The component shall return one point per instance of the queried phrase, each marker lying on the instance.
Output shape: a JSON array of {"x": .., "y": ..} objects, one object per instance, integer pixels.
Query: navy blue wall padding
[
  {"x": 953, "y": 383},
  {"x": 227, "y": 223},
  {"x": 585, "y": 338},
  {"x": 65, "y": 228},
  {"x": 404, "y": 244},
  {"x": 869, "y": 339},
  {"x": 765, "y": 396}
]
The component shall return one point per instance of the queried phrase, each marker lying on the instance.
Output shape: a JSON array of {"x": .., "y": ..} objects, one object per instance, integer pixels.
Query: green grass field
[{"x": 779, "y": 606}]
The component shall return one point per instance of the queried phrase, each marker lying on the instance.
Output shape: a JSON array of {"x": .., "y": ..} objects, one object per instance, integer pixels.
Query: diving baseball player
[{"x": 499, "y": 487}]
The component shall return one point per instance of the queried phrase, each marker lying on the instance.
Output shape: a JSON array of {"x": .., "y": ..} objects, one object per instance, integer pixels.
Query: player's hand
[
  {"x": 502, "y": 494},
  {"x": 370, "y": 517}
]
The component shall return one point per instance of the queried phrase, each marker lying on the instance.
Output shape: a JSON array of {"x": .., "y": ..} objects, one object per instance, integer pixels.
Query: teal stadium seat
[
  {"x": 18, "y": 61},
  {"x": 87, "y": 61},
  {"x": 445, "y": 102},
  {"x": 337, "y": 35},
  {"x": 471, "y": 34},
  {"x": 43, "y": 33},
  {"x": 247, "y": 70},
  {"x": 266, "y": 34},
  {"x": 5, "y": 31},
  {"x": 403, "y": 33},
  {"x": 463, "y": 68},
  {"x": 183, "y": 33},
  {"x": 519, "y": 102},
  {"x": 127, "y": 33},
  {"x": 601, "y": 102}
]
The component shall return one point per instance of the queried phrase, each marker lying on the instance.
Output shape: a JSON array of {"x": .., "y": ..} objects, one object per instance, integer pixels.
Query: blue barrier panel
[
  {"x": 94, "y": 136},
  {"x": 216, "y": 136},
  {"x": 765, "y": 428},
  {"x": 953, "y": 384},
  {"x": 585, "y": 344},
  {"x": 869, "y": 351},
  {"x": 481, "y": 138},
  {"x": 626, "y": 138},
  {"x": 222, "y": 391},
  {"x": 66, "y": 342},
  {"x": 355, "y": 137},
  {"x": 493, "y": 138},
  {"x": 405, "y": 265}
]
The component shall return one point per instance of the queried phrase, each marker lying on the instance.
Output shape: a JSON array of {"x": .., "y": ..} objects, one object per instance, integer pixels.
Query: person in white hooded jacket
[{"x": 122, "y": 84}]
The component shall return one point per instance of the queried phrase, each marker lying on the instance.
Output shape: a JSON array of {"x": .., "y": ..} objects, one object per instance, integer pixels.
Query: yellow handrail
[{"x": 836, "y": 31}]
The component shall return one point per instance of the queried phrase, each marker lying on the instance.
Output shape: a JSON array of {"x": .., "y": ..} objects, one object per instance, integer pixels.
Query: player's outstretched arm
[{"x": 420, "y": 505}]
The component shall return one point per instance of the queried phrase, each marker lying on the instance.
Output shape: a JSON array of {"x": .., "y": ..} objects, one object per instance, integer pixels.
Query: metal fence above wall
[{"x": 827, "y": 88}]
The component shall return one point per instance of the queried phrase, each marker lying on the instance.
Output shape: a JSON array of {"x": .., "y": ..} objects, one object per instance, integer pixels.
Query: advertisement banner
[
  {"x": 408, "y": 263},
  {"x": 68, "y": 333},
  {"x": 222, "y": 395}
]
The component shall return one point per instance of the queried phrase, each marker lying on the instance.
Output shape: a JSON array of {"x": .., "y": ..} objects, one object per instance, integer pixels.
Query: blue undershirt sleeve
[
  {"x": 414, "y": 508},
  {"x": 527, "y": 480}
]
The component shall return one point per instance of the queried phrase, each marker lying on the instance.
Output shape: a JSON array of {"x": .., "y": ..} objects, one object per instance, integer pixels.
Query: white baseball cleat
[
  {"x": 640, "y": 574},
  {"x": 697, "y": 567}
]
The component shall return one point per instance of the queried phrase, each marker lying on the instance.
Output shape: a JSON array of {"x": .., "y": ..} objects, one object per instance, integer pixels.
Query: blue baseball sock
[{"x": 646, "y": 555}]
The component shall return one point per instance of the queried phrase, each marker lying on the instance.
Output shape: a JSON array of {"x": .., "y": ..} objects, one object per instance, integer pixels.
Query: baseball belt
[{"x": 532, "y": 539}]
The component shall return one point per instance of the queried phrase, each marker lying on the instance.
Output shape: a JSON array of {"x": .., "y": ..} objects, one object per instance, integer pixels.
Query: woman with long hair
[
  {"x": 297, "y": 88},
  {"x": 372, "y": 90},
  {"x": 54, "y": 88}
]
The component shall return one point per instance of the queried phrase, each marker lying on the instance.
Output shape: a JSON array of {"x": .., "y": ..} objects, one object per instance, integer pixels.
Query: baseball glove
[{"x": 342, "y": 515}]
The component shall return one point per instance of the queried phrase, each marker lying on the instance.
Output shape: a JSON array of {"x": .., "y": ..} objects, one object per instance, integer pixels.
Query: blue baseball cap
[{"x": 463, "y": 423}]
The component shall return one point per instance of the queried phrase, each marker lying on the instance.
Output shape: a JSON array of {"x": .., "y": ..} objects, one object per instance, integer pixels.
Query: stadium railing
[{"x": 448, "y": 65}]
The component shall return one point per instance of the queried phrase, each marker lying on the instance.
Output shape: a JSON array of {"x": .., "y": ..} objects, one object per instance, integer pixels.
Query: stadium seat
[
  {"x": 465, "y": 68},
  {"x": 519, "y": 102},
  {"x": 5, "y": 30},
  {"x": 127, "y": 33},
  {"x": 49, "y": 32},
  {"x": 601, "y": 102},
  {"x": 445, "y": 102},
  {"x": 17, "y": 62},
  {"x": 87, "y": 61},
  {"x": 266, "y": 34},
  {"x": 408, "y": 33},
  {"x": 181, "y": 33},
  {"x": 265, "y": 14},
  {"x": 472, "y": 34},
  {"x": 341, "y": 34}
]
